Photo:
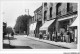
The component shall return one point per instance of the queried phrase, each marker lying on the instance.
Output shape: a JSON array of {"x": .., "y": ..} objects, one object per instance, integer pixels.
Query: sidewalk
[{"x": 61, "y": 44}]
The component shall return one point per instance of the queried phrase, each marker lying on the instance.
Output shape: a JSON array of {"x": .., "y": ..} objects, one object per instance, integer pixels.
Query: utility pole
[
  {"x": 27, "y": 10},
  {"x": 43, "y": 13}
]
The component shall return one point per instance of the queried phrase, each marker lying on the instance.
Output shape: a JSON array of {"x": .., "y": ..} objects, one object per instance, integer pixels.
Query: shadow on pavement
[{"x": 7, "y": 46}]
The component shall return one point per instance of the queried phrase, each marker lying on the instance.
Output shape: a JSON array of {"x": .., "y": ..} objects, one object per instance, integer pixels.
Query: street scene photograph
[{"x": 39, "y": 25}]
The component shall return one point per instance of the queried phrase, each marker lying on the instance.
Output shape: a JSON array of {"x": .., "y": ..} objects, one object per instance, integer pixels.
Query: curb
[{"x": 50, "y": 43}]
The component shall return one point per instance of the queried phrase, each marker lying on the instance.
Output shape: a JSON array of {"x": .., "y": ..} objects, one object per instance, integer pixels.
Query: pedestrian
[
  {"x": 72, "y": 36},
  {"x": 48, "y": 36},
  {"x": 40, "y": 35},
  {"x": 53, "y": 36},
  {"x": 69, "y": 36},
  {"x": 58, "y": 35},
  {"x": 61, "y": 36}
]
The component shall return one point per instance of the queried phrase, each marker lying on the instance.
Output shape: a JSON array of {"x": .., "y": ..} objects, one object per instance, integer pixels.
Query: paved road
[{"x": 23, "y": 42}]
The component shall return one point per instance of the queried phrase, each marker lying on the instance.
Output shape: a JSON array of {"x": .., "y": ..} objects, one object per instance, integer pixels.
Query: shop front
[
  {"x": 74, "y": 27},
  {"x": 64, "y": 23},
  {"x": 64, "y": 27},
  {"x": 47, "y": 27}
]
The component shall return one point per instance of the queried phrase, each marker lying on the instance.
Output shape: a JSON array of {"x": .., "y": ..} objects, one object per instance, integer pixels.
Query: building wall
[
  {"x": 59, "y": 13},
  {"x": 38, "y": 18},
  {"x": 54, "y": 10},
  {"x": 62, "y": 9},
  {"x": 75, "y": 6},
  {"x": 47, "y": 8}
]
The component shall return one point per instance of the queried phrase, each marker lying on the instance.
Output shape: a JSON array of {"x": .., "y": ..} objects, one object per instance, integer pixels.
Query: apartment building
[{"x": 57, "y": 17}]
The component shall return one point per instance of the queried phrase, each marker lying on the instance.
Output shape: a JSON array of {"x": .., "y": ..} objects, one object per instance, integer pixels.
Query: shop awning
[
  {"x": 46, "y": 25},
  {"x": 33, "y": 26},
  {"x": 75, "y": 23}
]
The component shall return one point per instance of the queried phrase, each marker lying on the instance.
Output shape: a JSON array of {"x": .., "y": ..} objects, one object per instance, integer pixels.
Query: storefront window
[{"x": 64, "y": 24}]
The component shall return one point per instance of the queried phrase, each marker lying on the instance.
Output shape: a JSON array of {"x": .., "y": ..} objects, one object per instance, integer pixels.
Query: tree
[
  {"x": 9, "y": 30},
  {"x": 21, "y": 23}
]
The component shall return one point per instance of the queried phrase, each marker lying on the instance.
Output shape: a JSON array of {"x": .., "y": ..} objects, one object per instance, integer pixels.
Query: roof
[{"x": 38, "y": 9}]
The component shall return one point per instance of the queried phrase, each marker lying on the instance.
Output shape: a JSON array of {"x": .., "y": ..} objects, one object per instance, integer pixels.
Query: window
[
  {"x": 45, "y": 12},
  {"x": 68, "y": 4},
  {"x": 69, "y": 8},
  {"x": 51, "y": 12},
  {"x": 58, "y": 11}
]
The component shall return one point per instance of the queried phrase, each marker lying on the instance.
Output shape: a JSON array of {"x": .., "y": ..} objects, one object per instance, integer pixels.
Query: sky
[{"x": 12, "y": 9}]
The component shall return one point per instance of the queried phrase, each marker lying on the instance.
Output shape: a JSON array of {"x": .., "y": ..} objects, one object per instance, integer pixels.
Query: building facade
[
  {"x": 62, "y": 14},
  {"x": 38, "y": 19},
  {"x": 55, "y": 17},
  {"x": 36, "y": 22}
]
